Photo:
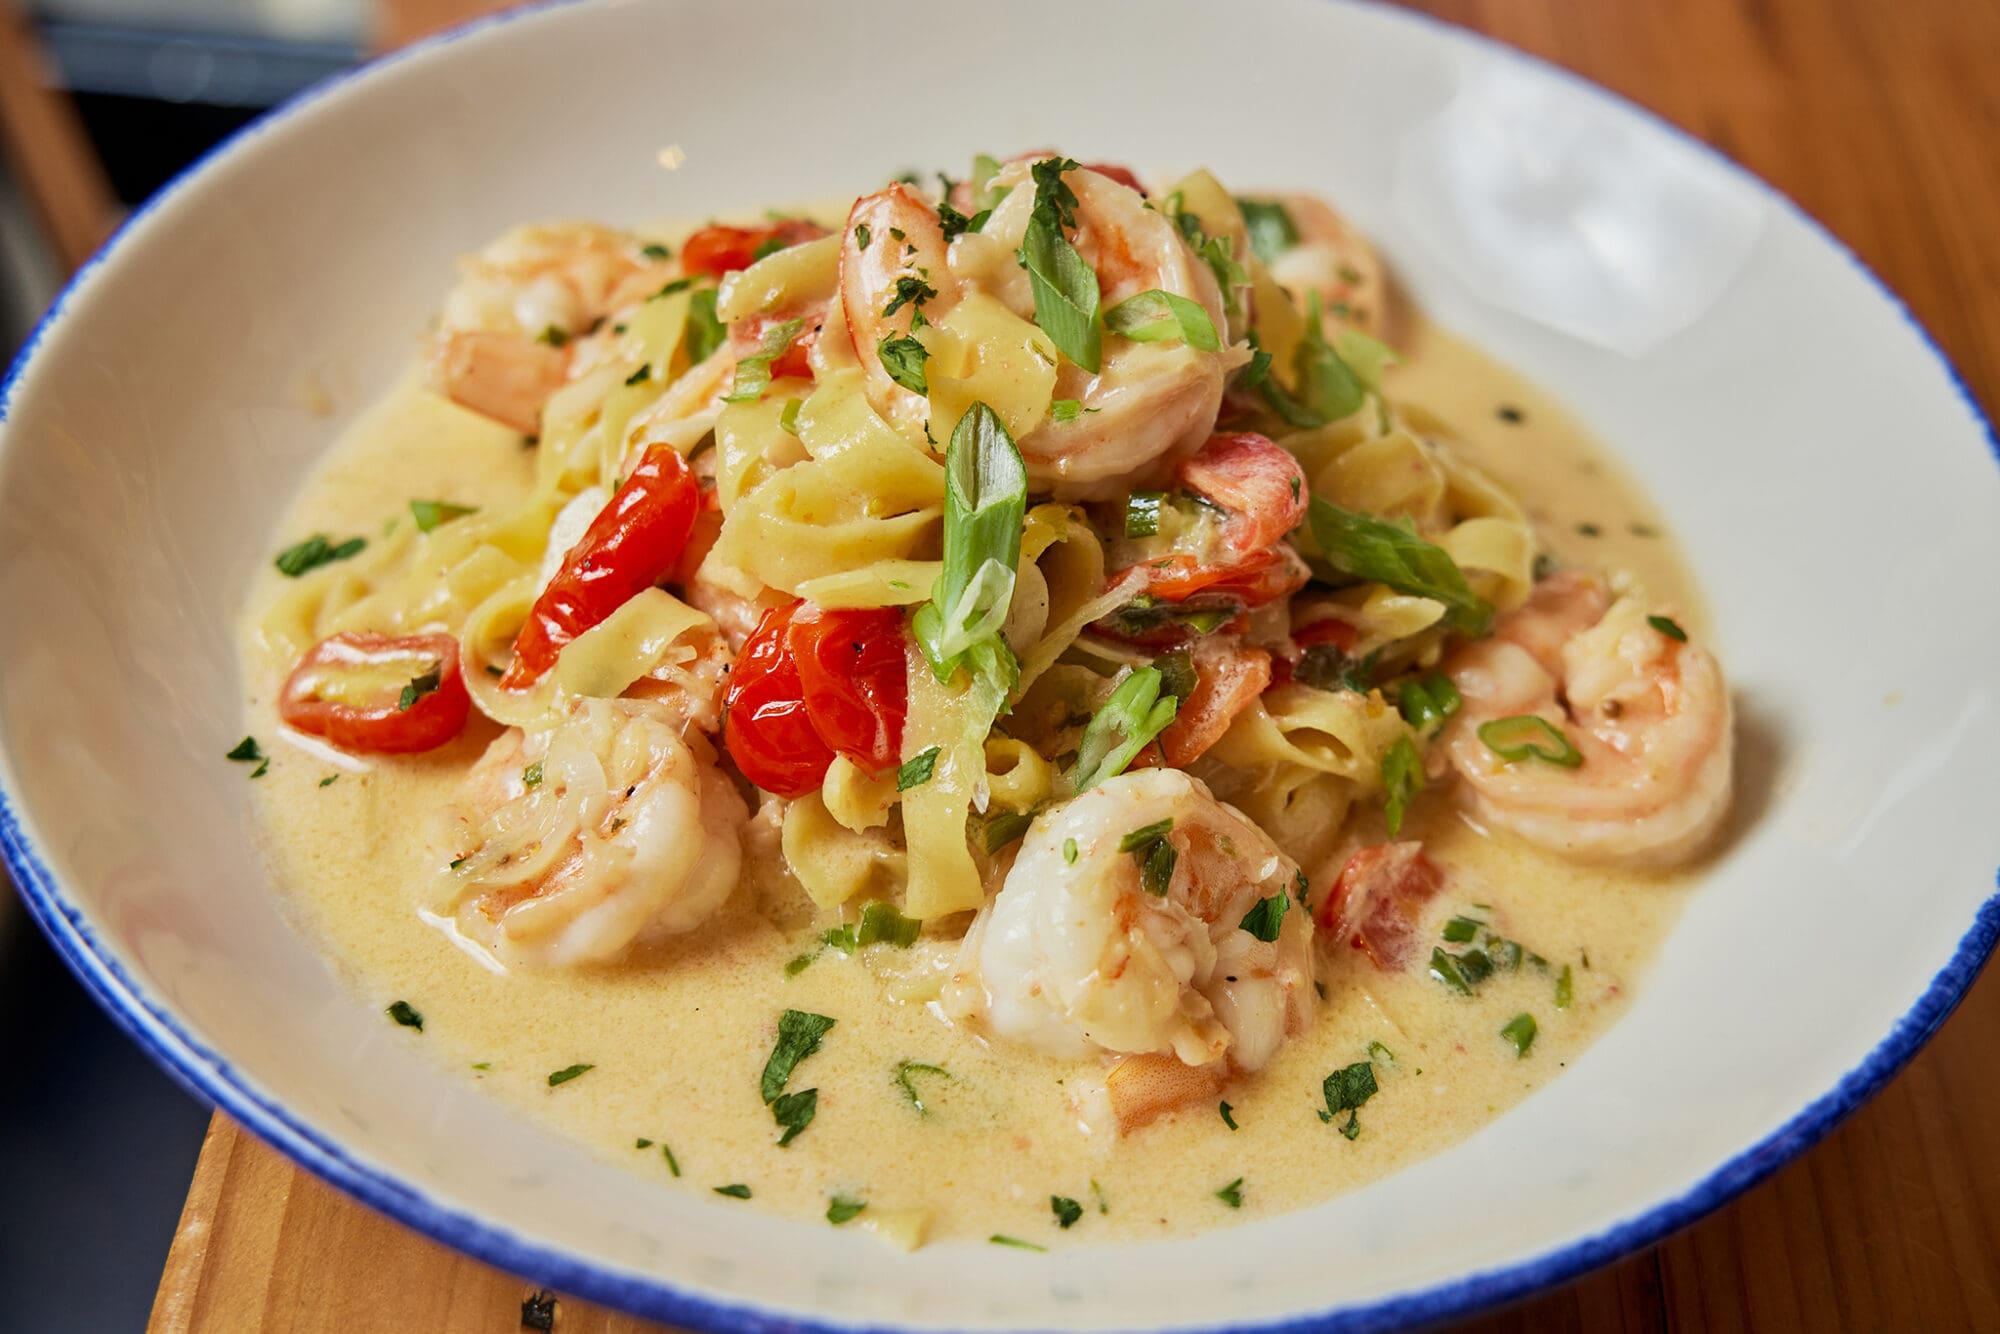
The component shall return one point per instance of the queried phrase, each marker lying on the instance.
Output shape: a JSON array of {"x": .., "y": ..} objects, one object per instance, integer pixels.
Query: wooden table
[{"x": 1884, "y": 121}]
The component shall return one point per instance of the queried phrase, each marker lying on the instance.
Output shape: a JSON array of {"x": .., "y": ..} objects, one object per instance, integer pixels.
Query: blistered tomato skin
[{"x": 813, "y": 683}]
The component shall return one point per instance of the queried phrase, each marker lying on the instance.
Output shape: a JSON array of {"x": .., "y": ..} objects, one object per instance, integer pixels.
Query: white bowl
[{"x": 1836, "y": 487}]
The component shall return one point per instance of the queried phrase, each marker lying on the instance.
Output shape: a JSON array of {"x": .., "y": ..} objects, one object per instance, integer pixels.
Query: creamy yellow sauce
[{"x": 676, "y": 1040}]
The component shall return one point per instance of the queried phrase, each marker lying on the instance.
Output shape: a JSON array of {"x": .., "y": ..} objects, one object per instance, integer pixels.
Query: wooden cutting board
[{"x": 1883, "y": 120}]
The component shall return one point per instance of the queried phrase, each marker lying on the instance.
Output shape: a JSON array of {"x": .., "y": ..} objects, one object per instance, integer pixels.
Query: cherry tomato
[
  {"x": 812, "y": 683},
  {"x": 1258, "y": 482},
  {"x": 766, "y": 727},
  {"x": 630, "y": 546},
  {"x": 718, "y": 250},
  {"x": 1378, "y": 902},
  {"x": 853, "y": 671},
  {"x": 370, "y": 692},
  {"x": 1229, "y": 675},
  {"x": 1248, "y": 581},
  {"x": 1122, "y": 175}
]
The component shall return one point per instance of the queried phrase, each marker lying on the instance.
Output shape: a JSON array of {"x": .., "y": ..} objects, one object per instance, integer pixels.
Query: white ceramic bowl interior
[{"x": 1836, "y": 487}]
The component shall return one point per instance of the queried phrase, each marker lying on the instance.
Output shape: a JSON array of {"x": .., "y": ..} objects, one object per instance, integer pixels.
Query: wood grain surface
[{"x": 1883, "y": 121}]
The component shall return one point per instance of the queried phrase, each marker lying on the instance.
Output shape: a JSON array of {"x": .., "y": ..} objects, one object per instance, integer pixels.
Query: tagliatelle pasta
[{"x": 1046, "y": 671}]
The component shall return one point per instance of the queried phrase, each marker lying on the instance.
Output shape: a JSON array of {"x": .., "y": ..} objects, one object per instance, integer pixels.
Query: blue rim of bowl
[{"x": 206, "y": 1075}]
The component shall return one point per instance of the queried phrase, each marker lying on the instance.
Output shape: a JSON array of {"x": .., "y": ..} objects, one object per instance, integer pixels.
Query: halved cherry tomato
[
  {"x": 1379, "y": 901},
  {"x": 350, "y": 689},
  {"x": 766, "y": 727},
  {"x": 1229, "y": 675},
  {"x": 1122, "y": 175},
  {"x": 852, "y": 666},
  {"x": 1249, "y": 581},
  {"x": 718, "y": 250},
  {"x": 812, "y": 683},
  {"x": 631, "y": 545},
  {"x": 1257, "y": 481}
]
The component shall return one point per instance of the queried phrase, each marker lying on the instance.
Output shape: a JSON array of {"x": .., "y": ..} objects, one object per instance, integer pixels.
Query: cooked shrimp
[
  {"x": 1148, "y": 404},
  {"x": 1334, "y": 260},
  {"x": 504, "y": 343},
  {"x": 572, "y": 844},
  {"x": 1648, "y": 714},
  {"x": 1073, "y": 956}
]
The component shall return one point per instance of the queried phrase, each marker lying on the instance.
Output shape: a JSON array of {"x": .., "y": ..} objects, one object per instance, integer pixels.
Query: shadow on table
[{"x": 96, "y": 1147}]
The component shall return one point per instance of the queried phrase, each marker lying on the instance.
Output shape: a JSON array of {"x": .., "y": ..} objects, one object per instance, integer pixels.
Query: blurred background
[{"x": 101, "y": 103}]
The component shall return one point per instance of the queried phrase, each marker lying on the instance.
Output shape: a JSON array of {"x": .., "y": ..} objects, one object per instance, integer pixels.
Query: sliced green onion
[
  {"x": 999, "y": 1239},
  {"x": 1004, "y": 828},
  {"x": 1136, "y": 712},
  {"x": 841, "y": 1208},
  {"x": 1157, "y": 315},
  {"x": 1402, "y": 780},
  {"x": 1520, "y": 1030},
  {"x": 1156, "y": 873},
  {"x": 905, "y": 1069},
  {"x": 1565, "y": 988},
  {"x": 567, "y": 1073},
  {"x": 1461, "y": 930},
  {"x": 985, "y": 499},
  {"x": 1444, "y": 967},
  {"x": 1526, "y": 736},
  {"x": 1431, "y": 700},
  {"x": 1177, "y": 674},
  {"x": 881, "y": 924},
  {"x": 1141, "y": 840},
  {"x": 1142, "y": 513},
  {"x": 1069, "y": 851},
  {"x": 735, "y": 1191},
  {"x": 1506, "y": 954},
  {"x": 753, "y": 373},
  {"x": 1232, "y": 1194},
  {"x": 1065, "y": 409},
  {"x": 1391, "y": 553},
  {"x": 788, "y": 416},
  {"x": 861, "y": 236}
]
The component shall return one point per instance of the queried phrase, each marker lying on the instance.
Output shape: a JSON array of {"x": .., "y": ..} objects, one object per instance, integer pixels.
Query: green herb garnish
[
  {"x": 842, "y": 1208},
  {"x": 1136, "y": 712},
  {"x": 1005, "y": 828},
  {"x": 531, "y": 776},
  {"x": 1668, "y": 627},
  {"x": 1462, "y": 930},
  {"x": 753, "y": 373},
  {"x": 905, "y": 1069},
  {"x": 1232, "y": 1194},
  {"x": 245, "y": 750},
  {"x": 999, "y": 1240},
  {"x": 418, "y": 687},
  {"x": 1346, "y": 1090},
  {"x": 861, "y": 236},
  {"x": 1520, "y": 1030},
  {"x": 1152, "y": 317},
  {"x": 1431, "y": 700},
  {"x": 917, "y": 770},
  {"x": 1067, "y": 1211},
  {"x": 1266, "y": 919},
  {"x": 673, "y": 1163},
  {"x": 794, "y": 1112},
  {"x": 737, "y": 1191},
  {"x": 1065, "y": 287},
  {"x": 1272, "y": 231},
  {"x": 1141, "y": 840},
  {"x": 799, "y": 1033},
  {"x": 1526, "y": 736},
  {"x": 314, "y": 552},
  {"x": 1391, "y": 553},
  {"x": 705, "y": 333},
  {"x": 403, "y": 1013},
  {"x": 430, "y": 513},
  {"x": 1069, "y": 851},
  {"x": 1067, "y": 409},
  {"x": 1402, "y": 780},
  {"x": 903, "y": 358},
  {"x": 985, "y": 500},
  {"x": 1142, "y": 513},
  {"x": 1565, "y": 988},
  {"x": 567, "y": 1073},
  {"x": 1227, "y": 1119}
]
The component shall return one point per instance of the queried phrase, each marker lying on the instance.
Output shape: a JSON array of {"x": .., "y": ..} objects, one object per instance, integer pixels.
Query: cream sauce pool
[{"x": 676, "y": 1040}]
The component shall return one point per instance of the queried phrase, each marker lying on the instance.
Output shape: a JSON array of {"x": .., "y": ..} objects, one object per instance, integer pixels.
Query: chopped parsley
[
  {"x": 1668, "y": 627},
  {"x": 861, "y": 236},
  {"x": 403, "y": 1013},
  {"x": 314, "y": 552},
  {"x": 843, "y": 1208},
  {"x": 245, "y": 750},
  {"x": 794, "y": 1112},
  {"x": 653, "y": 250},
  {"x": 567, "y": 1073},
  {"x": 917, "y": 770},
  {"x": 1272, "y": 231},
  {"x": 418, "y": 687},
  {"x": 640, "y": 376},
  {"x": 1232, "y": 1194},
  {"x": 1227, "y": 1118},
  {"x": 554, "y": 336},
  {"x": 642, "y": 1143},
  {"x": 911, "y": 291},
  {"x": 735, "y": 1191},
  {"x": 1346, "y": 1090},
  {"x": 903, "y": 358},
  {"x": 1267, "y": 919},
  {"x": 1067, "y": 1211},
  {"x": 1067, "y": 409},
  {"x": 328, "y": 780},
  {"x": 532, "y": 775},
  {"x": 1065, "y": 287},
  {"x": 673, "y": 1163},
  {"x": 705, "y": 332}
]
